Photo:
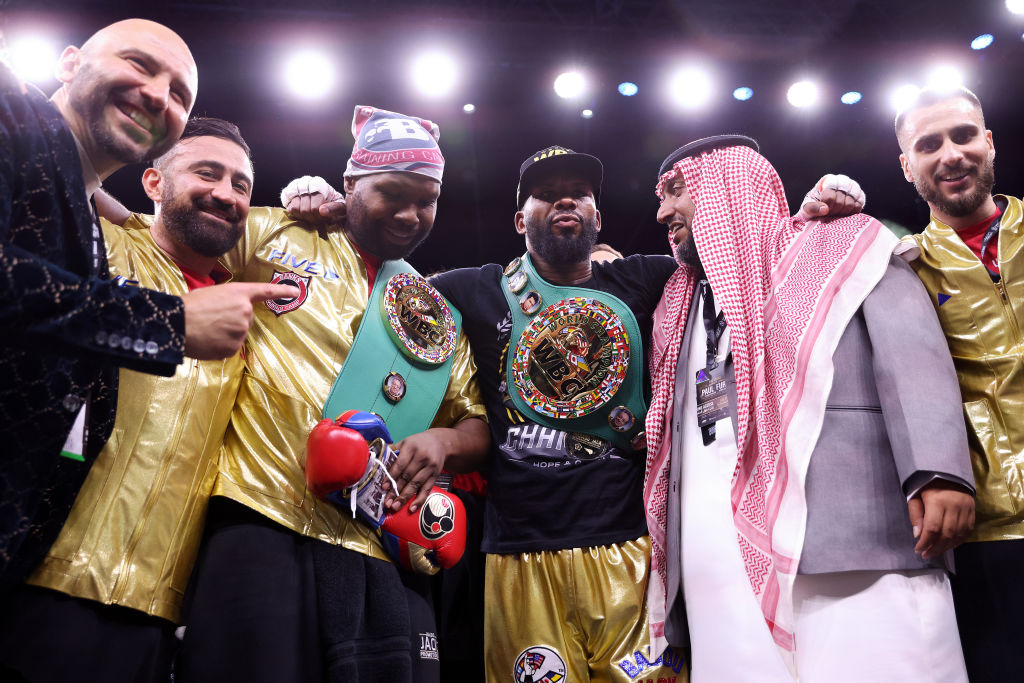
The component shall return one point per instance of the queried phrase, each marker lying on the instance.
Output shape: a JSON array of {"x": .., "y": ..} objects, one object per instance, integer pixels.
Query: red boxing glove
[
  {"x": 336, "y": 458},
  {"x": 432, "y": 538}
]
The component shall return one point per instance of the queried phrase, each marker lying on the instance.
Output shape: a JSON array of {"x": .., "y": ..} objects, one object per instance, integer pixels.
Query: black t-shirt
[{"x": 548, "y": 489}]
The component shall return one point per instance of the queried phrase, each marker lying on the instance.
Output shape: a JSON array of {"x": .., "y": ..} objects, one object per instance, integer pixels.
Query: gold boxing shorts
[{"x": 573, "y": 615}]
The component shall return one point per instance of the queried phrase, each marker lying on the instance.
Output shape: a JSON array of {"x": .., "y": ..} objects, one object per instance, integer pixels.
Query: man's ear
[
  {"x": 67, "y": 65},
  {"x": 152, "y": 183},
  {"x": 991, "y": 143},
  {"x": 597, "y": 214},
  {"x": 520, "y": 223},
  {"x": 350, "y": 184},
  {"x": 907, "y": 173}
]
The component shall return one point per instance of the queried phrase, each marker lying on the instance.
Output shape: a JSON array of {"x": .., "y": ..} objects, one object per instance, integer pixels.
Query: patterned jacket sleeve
[{"x": 50, "y": 298}]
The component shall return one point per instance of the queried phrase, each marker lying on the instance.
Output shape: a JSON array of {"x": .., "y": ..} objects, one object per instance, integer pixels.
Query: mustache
[{"x": 230, "y": 211}]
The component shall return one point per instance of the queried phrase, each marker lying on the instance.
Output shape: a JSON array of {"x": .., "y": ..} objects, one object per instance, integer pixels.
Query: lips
[
  {"x": 225, "y": 215},
  {"x": 676, "y": 231},
  {"x": 566, "y": 220}
]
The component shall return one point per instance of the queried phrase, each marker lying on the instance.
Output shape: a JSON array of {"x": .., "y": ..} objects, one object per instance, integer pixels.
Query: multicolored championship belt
[
  {"x": 401, "y": 358},
  {"x": 575, "y": 359}
]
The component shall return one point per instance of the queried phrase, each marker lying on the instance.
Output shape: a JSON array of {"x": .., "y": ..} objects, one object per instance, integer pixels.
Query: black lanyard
[
  {"x": 713, "y": 325},
  {"x": 991, "y": 232}
]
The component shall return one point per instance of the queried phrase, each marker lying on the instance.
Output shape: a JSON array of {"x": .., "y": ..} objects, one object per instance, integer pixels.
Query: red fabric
[
  {"x": 372, "y": 266},
  {"x": 776, "y": 281},
  {"x": 196, "y": 280},
  {"x": 974, "y": 235},
  {"x": 473, "y": 482}
]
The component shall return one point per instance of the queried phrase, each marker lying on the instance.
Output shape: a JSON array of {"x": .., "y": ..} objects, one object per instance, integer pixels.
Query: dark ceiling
[{"x": 514, "y": 48}]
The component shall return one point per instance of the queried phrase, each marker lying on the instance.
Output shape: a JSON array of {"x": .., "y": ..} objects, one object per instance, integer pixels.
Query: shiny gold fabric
[
  {"x": 982, "y": 321},
  {"x": 288, "y": 377},
  {"x": 134, "y": 531},
  {"x": 588, "y": 605}
]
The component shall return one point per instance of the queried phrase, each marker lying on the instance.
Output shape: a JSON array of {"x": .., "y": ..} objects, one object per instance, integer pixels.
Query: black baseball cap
[
  {"x": 557, "y": 158},
  {"x": 703, "y": 145}
]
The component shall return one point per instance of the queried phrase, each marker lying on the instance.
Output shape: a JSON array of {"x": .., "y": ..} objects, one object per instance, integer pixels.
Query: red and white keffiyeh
[{"x": 788, "y": 291}]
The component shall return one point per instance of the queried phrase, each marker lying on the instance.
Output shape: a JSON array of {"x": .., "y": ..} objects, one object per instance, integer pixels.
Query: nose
[
  {"x": 157, "y": 92},
  {"x": 566, "y": 202},
  {"x": 223, "y": 192},
  {"x": 952, "y": 155},
  {"x": 665, "y": 212},
  {"x": 408, "y": 215}
]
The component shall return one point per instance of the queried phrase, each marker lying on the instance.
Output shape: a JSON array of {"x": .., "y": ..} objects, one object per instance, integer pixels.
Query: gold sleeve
[{"x": 462, "y": 399}]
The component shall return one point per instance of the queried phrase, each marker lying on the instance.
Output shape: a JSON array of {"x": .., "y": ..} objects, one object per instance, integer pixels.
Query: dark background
[{"x": 511, "y": 51}]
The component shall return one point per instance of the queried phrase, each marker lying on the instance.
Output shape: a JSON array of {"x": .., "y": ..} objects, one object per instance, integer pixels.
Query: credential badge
[
  {"x": 418, "y": 318},
  {"x": 571, "y": 358}
]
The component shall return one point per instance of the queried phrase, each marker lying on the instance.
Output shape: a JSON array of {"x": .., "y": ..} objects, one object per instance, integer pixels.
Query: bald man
[{"x": 125, "y": 97}]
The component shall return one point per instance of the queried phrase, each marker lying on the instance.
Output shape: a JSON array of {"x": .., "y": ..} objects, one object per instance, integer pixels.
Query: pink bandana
[
  {"x": 388, "y": 142},
  {"x": 788, "y": 291}
]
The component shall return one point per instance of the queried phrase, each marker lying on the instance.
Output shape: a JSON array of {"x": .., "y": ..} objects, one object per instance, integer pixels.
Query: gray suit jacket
[{"x": 894, "y": 411}]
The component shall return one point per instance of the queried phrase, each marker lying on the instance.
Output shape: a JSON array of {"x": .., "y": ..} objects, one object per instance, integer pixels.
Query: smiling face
[
  {"x": 390, "y": 214},
  {"x": 560, "y": 219},
  {"x": 676, "y": 211},
  {"x": 949, "y": 156},
  {"x": 203, "y": 191},
  {"x": 128, "y": 91}
]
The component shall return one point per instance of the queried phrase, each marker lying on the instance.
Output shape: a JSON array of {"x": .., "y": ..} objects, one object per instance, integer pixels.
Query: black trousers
[
  {"x": 988, "y": 592},
  {"x": 49, "y": 636},
  {"x": 270, "y": 605}
]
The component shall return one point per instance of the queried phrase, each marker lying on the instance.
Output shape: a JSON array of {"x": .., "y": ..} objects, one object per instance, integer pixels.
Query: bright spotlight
[
  {"x": 852, "y": 97},
  {"x": 743, "y": 94},
  {"x": 945, "y": 78},
  {"x": 34, "y": 59},
  {"x": 469, "y": 108},
  {"x": 1015, "y": 6},
  {"x": 802, "y": 94},
  {"x": 982, "y": 41},
  {"x": 434, "y": 74},
  {"x": 570, "y": 84},
  {"x": 587, "y": 113},
  {"x": 690, "y": 87},
  {"x": 628, "y": 89},
  {"x": 904, "y": 96},
  {"x": 309, "y": 74}
]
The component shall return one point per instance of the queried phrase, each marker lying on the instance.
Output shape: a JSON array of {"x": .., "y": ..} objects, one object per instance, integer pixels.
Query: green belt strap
[
  {"x": 630, "y": 393},
  {"x": 374, "y": 355}
]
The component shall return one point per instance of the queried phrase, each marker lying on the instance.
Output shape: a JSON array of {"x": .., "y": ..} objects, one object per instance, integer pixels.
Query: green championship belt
[
  {"x": 576, "y": 363},
  {"x": 401, "y": 359}
]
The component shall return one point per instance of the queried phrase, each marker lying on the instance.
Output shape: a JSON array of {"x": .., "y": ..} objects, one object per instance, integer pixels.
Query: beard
[
  {"x": 89, "y": 95},
  {"x": 558, "y": 250},
  {"x": 201, "y": 234},
  {"x": 968, "y": 203},
  {"x": 686, "y": 255},
  {"x": 368, "y": 234}
]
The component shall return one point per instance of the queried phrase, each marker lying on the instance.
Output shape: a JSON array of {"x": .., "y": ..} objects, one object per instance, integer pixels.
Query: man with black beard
[
  {"x": 970, "y": 260},
  {"x": 144, "y": 501}
]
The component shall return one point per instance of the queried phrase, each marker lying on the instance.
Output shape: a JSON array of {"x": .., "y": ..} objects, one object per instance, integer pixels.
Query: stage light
[
  {"x": 802, "y": 94},
  {"x": 1015, "y": 6},
  {"x": 33, "y": 59},
  {"x": 945, "y": 78},
  {"x": 309, "y": 74},
  {"x": 743, "y": 94},
  {"x": 628, "y": 89},
  {"x": 570, "y": 85},
  {"x": 469, "y": 108},
  {"x": 587, "y": 113},
  {"x": 904, "y": 96},
  {"x": 690, "y": 87},
  {"x": 852, "y": 97},
  {"x": 982, "y": 41},
  {"x": 434, "y": 74}
]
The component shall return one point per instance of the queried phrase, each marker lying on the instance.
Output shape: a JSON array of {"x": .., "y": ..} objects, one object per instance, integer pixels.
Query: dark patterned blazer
[{"x": 65, "y": 328}]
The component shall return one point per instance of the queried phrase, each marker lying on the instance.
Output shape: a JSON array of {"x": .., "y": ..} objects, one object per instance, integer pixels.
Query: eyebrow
[{"x": 154, "y": 64}]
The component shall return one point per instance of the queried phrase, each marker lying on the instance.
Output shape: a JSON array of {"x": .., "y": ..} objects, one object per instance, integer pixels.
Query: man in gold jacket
[
  {"x": 971, "y": 260},
  {"x": 117, "y": 572},
  {"x": 289, "y": 587}
]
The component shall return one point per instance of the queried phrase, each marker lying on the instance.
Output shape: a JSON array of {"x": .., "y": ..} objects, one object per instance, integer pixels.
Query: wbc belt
[
  {"x": 401, "y": 358},
  {"x": 575, "y": 358}
]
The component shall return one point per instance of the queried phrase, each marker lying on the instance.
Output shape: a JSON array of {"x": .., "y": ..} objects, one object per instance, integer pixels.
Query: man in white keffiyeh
[{"x": 807, "y": 462}]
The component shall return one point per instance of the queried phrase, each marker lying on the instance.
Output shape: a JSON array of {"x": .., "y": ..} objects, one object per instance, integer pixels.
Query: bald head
[{"x": 127, "y": 92}]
